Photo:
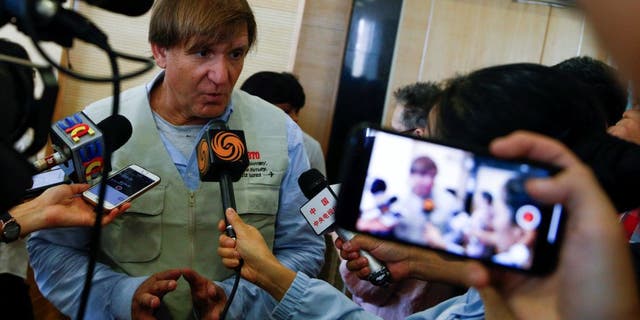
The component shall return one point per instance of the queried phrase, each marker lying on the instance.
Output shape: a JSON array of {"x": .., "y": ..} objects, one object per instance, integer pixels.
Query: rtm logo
[{"x": 253, "y": 155}]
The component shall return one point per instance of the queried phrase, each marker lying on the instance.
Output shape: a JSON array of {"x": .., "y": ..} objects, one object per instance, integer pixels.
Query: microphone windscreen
[
  {"x": 116, "y": 131},
  {"x": 311, "y": 182},
  {"x": 127, "y": 7}
]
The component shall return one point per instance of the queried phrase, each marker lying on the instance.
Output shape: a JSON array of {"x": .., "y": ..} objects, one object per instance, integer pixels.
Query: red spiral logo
[
  {"x": 227, "y": 146},
  {"x": 203, "y": 155}
]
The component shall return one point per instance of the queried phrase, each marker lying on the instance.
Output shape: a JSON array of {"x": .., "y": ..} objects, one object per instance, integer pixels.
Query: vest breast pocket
[
  {"x": 258, "y": 190},
  {"x": 136, "y": 236}
]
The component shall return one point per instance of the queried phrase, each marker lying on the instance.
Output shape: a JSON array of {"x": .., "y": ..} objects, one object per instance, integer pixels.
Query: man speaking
[{"x": 170, "y": 233}]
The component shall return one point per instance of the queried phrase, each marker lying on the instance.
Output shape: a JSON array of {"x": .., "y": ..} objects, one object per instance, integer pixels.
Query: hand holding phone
[
  {"x": 448, "y": 198},
  {"x": 123, "y": 186}
]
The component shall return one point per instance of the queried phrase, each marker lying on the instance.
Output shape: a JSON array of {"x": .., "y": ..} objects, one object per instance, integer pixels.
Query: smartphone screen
[
  {"x": 45, "y": 180},
  {"x": 123, "y": 186},
  {"x": 443, "y": 197}
]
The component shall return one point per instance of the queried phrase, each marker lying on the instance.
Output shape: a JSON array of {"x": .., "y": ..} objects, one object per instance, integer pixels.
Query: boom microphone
[
  {"x": 78, "y": 139},
  {"x": 319, "y": 212}
]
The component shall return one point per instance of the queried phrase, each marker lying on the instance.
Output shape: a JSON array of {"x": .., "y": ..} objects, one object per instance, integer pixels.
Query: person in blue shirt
[
  {"x": 593, "y": 248},
  {"x": 158, "y": 259}
]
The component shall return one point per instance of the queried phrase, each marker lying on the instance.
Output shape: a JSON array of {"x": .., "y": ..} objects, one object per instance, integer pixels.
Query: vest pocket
[{"x": 136, "y": 236}]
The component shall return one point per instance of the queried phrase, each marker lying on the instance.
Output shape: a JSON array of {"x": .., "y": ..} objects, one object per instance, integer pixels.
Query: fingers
[
  {"x": 147, "y": 301},
  {"x": 77, "y": 188},
  {"x": 533, "y": 146},
  {"x": 111, "y": 215}
]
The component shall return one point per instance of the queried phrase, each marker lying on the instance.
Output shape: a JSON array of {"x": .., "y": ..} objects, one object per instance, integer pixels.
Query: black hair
[
  {"x": 276, "y": 88},
  {"x": 602, "y": 80},
  {"x": 417, "y": 99},
  {"x": 495, "y": 101}
]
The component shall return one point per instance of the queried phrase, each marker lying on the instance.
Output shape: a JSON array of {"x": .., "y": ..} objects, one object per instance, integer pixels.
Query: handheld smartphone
[
  {"x": 448, "y": 198},
  {"x": 45, "y": 180},
  {"x": 123, "y": 186}
]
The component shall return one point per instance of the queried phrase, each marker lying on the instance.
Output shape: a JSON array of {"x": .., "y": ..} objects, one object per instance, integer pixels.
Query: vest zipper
[{"x": 192, "y": 227}]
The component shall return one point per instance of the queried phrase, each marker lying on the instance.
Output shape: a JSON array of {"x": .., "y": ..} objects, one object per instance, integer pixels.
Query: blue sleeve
[
  {"x": 59, "y": 260},
  {"x": 295, "y": 243},
  {"x": 315, "y": 299}
]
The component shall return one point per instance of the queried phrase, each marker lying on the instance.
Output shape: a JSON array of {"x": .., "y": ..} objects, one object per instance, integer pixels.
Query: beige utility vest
[{"x": 172, "y": 227}]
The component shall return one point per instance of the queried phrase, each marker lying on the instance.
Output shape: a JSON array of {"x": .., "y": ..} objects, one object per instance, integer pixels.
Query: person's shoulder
[
  {"x": 101, "y": 109},
  {"x": 310, "y": 141},
  {"x": 244, "y": 100}
]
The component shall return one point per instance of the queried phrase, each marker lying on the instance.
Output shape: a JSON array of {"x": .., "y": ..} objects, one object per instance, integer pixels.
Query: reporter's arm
[
  {"x": 295, "y": 245},
  {"x": 59, "y": 206},
  {"x": 300, "y": 296},
  {"x": 59, "y": 260}
]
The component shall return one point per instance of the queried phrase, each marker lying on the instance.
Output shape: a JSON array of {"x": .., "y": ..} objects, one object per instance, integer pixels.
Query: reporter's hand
[
  {"x": 628, "y": 128},
  {"x": 259, "y": 266},
  {"x": 208, "y": 298},
  {"x": 594, "y": 279},
  {"x": 148, "y": 297},
  {"x": 60, "y": 206},
  {"x": 405, "y": 261}
]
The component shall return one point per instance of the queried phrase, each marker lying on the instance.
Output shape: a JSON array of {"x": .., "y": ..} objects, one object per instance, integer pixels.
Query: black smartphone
[
  {"x": 45, "y": 180},
  {"x": 450, "y": 198}
]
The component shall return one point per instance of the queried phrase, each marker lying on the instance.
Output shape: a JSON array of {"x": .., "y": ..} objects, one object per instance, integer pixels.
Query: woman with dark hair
[{"x": 492, "y": 102}]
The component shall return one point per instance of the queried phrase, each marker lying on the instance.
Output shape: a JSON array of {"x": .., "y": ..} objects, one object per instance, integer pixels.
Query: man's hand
[
  {"x": 260, "y": 266},
  {"x": 405, "y": 261},
  {"x": 594, "y": 278},
  {"x": 628, "y": 128},
  {"x": 208, "y": 298},
  {"x": 148, "y": 297},
  {"x": 60, "y": 206}
]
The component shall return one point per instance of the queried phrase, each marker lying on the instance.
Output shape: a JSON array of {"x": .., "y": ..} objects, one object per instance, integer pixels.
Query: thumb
[
  {"x": 363, "y": 242},
  {"x": 234, "y": 219}
]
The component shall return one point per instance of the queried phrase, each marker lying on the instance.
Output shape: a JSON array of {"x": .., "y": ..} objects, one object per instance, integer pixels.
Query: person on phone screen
[
  {"x": 158, "y": 258},
  {"x": 595, "y": 235}
]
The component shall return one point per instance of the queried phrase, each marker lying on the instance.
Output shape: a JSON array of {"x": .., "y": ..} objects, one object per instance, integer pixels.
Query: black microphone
[
  {"x": 78, "y": 139},
  {"x": 321, "y": 204},
  {"x": 132, "y": 8},
  {"x": 222, "y": 156}
]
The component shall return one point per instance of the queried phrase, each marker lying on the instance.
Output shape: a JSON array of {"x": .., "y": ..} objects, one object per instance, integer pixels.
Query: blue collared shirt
[{"x": 59, "y": 255}]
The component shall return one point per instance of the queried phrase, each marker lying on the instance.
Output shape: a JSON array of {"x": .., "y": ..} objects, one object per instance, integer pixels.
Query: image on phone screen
[{"x": 446, "y": 198}]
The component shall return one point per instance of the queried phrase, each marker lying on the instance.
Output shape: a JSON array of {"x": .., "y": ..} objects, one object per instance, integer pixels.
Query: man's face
[
  {"x": 199, "y": 80},
  {"x": 422, "y": 183}
]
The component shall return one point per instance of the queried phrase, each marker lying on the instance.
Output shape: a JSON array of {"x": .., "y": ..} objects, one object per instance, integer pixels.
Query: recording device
[
  {"x": 319, "y": 212},
  {"x": 78, "y": 139},
  {"x": 123, "y": 186},
  {"x": 449, "y": 198},
  {"x": 222, "y": 157},
  {"x": 45, "y": 180},
  {"x": 21, "y": 111}
]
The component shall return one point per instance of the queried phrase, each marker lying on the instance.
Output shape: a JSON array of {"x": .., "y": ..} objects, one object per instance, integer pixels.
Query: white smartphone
[{"x": 123, "y": 186}]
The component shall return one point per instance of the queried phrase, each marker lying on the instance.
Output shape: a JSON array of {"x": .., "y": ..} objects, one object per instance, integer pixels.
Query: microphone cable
[{"x": 94, "y": 243}]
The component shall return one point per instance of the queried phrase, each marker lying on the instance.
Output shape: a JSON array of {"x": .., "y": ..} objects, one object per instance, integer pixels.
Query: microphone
[
  {"x": 319, "y": 212},
  {"x": 78, "y": 139},
  {"x": 51, "y": 22},
  {"x": 222, "y": 156},
  {"x": 131, "y": 8}
]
